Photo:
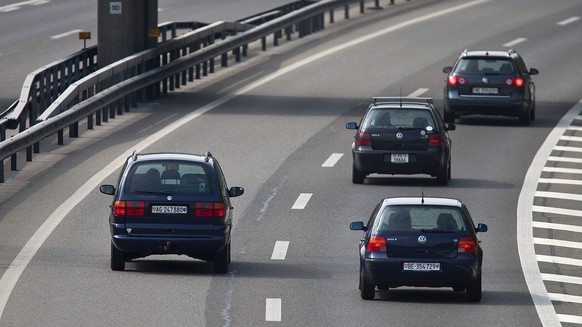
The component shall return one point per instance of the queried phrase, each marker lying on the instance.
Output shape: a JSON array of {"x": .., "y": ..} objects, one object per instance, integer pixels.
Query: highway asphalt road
[{"x": 273, "y": 121}]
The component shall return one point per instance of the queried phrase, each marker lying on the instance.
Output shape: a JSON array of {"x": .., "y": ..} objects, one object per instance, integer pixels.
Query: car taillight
[
  {"x": 452, "y": 80},
  {"x": 364, "y": 139},
  {"x": 435, "y": 140},
  {"x": 209, "y": 210},
  {"x": 518, "y": 82},
  {"x": 376, "y": 244},
  {"x": 129, "y": 208},
  {"x": 467, "y": 245}
]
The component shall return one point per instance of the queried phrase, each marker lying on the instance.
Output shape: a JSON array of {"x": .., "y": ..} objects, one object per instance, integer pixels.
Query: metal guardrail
[{"x": 116, "y": 88}]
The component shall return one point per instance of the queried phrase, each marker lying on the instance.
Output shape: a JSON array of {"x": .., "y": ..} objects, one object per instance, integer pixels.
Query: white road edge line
[
  {"x": 332, "y": 160},
  {"x": 527, "y": 255},
  {"x": 280, "y": 250},
  {"x": 12, "y": 274},
  {"x": 302, "y": 201},
  {"x": 16, "y": 6},
  {"x": 273, "y": 309}
]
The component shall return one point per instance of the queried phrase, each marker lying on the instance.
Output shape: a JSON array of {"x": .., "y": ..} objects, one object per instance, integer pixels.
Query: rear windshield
[
  {"x": 424, "y": 218},
  {"x": 168, "y": 177},
  {"x": 399, "y": 118},
  {"x": 484, "y": 66}
]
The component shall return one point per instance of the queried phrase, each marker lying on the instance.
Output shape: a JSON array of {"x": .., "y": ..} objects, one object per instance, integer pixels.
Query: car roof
[
  {"x": 420, "y": 200},
  {"x": 207, "y": 158},
  {"x": 402, "y": 102},
  {"x": 489, "y": 53}
]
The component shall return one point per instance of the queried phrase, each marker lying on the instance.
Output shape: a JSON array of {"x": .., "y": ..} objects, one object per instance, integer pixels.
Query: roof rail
[
  {"x": 208, "y": 156},
  {"x": 401, "y": 100}
]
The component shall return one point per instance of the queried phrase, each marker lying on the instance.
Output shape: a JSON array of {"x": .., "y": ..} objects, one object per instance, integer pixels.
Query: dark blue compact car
[
  {"x": 171, "y": 203},
  {"x": 424, "y": 242}
]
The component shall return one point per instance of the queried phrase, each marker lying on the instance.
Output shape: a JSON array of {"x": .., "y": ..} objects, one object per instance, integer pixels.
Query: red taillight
[
  {"x": 467, "y": 245},
  {"x": 452, "y": 80},
  {"x": 376, "y": 244},
  {"x": 364, "y": 139},
  {"x": 435, "y": 140},
  {"x": 129, "y": 208},
  {"x": 518, "y": 82},
  {"x": 209, "y": 210}
]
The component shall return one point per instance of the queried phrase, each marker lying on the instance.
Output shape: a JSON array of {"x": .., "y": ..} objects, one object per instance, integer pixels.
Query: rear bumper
[
  {"x": 390, "y": 273},
  {"x": 485, "y": 105},
  {"x": 378, "y": 161}
]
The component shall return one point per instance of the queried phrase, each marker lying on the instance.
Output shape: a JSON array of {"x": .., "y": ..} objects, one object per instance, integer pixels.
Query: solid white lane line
[
  {"x": 560, "y": 181},
  {"x": 515, "y": 42},
  {"x": 332, "y": 160},
  {"x": 562, "y": 279},
  {"x": 560, "y": 243},
  {"x": 568, "y": 21},
  {"x": 302, "y": 201},
  {"x": 273, "y": 310},
  {"x": 16, "y": 6},
  {"x": 559, "y": 195},
  {"x": 568, "y": 149},
  {"x": 570, "y": 228},
  {"x": 558, "y": 211},
  {"x": 12, "y": 274},
  {"x": 570, "y": 319},
  {"x": 565, "y": 159},
  {"x": 418, "y": 92},
  {"x": 60, "y": 36},
  {"x": 559, "y": 260},
  {"x": 562, "y": 170},
  {"x": 280, "y": 250},
  {"x": 526, "y": 249},
  {"x": 565, "y": 298}
]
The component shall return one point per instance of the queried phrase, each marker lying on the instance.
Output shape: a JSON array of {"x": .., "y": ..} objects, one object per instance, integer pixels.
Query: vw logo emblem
[
  {"x": 399, "y": 135},
  {"x": 422, "y": 239},
  {"x": 485, "y": 80},
  {"x": 169, "y": 198}
]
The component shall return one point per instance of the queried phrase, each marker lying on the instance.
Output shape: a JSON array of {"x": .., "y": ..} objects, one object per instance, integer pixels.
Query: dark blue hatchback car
[
  {"x": 171, "y": 203},
  {"x": 423, "y": 242}
]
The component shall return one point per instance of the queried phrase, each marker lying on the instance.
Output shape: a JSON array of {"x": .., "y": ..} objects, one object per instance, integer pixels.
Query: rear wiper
[
  {"x": 153, "y": 192},
  {"x": 435, "y": 231}
]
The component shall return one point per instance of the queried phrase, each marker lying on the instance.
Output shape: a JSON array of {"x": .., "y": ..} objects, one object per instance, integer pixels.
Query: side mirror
[
  {"x": 533, "y": 71},
  {"x": 107, "y": 189},
  {"x": 481, "y": 228},
  {"x": 352, "y": 125},
  {"x": 357, "y": 225},
  {"x": 450, "y": 126},
  {"x": 236, "y": 191},
  {"x": 448, "y": 69}
]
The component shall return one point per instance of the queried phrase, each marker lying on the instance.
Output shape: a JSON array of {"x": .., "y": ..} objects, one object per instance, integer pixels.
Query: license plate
[
  {"x": 399, "y": 158},
  {"x": 170, "y": 209},
  {"x": 422, "y": 266},
  {"x": 485, "y": 90}
]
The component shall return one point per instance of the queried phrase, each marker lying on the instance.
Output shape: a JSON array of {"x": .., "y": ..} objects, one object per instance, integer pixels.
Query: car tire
[
  {"x": 524, "y": 117},
  {"x": 449, "y": 117},
  {"x": 357, "y": 176},
  {"x": 367, "y": 290},
  {"x": 221, "y": 260},
  {"x": 532, "y": 115},
  {"x": 474, "y": 291},
  {"x": 444, "y": 176},
  {"x": 117, "y": 259}
]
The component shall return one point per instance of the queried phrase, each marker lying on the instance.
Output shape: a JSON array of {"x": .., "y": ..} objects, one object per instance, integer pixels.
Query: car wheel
[
  {"x": 532, "y": 115},
  {"x": 449, "y": 117},
  {"x": 367, "y": 290},
  {"x": 117, "y": 259},
  {"x": 474, "y": 291},
  {"x": 221, "y": 260},
  {"x": 444, "y": 176},
  {"x": 524, "y": 117},
  {"x": 357, "y": 176}
]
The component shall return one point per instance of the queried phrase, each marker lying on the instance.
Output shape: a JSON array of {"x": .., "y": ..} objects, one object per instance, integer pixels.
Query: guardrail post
[
  {"x": 60, "y": 137},
  {"x": 13, "y": 165},
  {"x": 2, "y": 171}
]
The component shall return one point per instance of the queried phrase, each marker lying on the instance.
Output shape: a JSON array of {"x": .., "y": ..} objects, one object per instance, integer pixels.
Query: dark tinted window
[
  {"x": 480, "y": 66},
  {"x": 398, "y": 117},
  {"x": 425, "y": 217},
  {"x": 168, "y": 176}
]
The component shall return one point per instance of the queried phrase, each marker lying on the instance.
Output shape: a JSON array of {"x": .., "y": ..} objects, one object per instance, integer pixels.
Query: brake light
[
  {"x": 129, "y": 208},
  {"x": 376, "y": 244},
  {"x": 209, "y": 210},
  {"x": 518, "y": 82},
  {"x": 364, "y": 139},
  {"x": 435, "y": 140},
  {"x": 452, "y": 80},
  {"x": 467, "y": 245}
]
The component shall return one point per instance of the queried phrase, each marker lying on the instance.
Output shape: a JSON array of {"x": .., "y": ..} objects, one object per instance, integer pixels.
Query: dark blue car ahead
[{"x": 424, "y": 242}]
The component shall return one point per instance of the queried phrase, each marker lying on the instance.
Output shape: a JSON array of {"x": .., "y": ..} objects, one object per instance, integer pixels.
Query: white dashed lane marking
[
  {"x": 280, "y": 250},
  {"x": 515, "y": 42},
  {"x": 568, "y": 21},
  {"x": 332, "y": 160},
  {"x": 273, "y": 309},
  {"x": 60, "y": 36},
  {"x": 302, "y": 201}
]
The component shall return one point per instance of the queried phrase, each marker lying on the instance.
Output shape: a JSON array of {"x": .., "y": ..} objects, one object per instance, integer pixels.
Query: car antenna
[
  {"x": 134, "y": 155},
  {"x": 422, "y": 193},
  {"x": 401, "y": 97}
]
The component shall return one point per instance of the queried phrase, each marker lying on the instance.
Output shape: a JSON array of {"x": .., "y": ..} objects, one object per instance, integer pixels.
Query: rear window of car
[
  {"x": 424, "y": 218},
  {"x": 399, "y": 118},
  {"x": 173, "y": 177},
  {"x": 481, "y": 66}
]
